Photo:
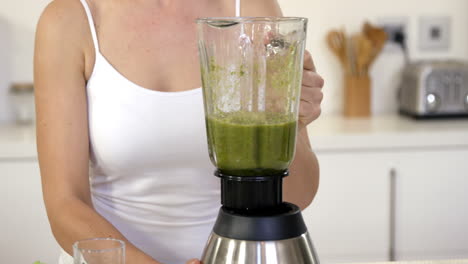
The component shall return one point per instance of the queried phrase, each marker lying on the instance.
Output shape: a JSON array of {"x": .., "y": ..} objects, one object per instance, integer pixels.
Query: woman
[{"x": 120, "y": 129}]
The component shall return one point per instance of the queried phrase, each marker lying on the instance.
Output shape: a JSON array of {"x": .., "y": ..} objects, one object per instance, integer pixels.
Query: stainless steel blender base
[{"x": 222, "y": 250}]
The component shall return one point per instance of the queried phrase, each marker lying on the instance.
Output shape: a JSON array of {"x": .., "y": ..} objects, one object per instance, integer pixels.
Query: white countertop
[
  {"x": 336, "y": 133},
  {"x": 329, "y": 133},
  {"x": 17, "y": 142},
  {"x": 452, "y": 261}
]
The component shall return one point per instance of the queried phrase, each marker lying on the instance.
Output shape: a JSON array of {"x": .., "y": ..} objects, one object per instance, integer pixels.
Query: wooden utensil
[
  {"x": 351, "y": 54},
  {"x": 377, "y": 36},
  {"x": 337, "y": 42},
  {"x": 363, "y": 51}
]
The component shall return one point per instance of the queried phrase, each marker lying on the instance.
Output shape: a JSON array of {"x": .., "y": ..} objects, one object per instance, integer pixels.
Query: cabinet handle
[{"x": 392, "y": 222}]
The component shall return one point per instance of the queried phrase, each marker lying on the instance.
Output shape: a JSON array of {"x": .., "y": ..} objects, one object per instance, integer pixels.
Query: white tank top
[{"x": 150, "y": 172}]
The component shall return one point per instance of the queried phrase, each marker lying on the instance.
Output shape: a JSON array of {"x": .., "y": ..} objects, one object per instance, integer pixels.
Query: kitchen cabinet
[
  {"x": 351, "y": 219},
  {"x": 24, "y": 228},
  {"x": 432, "y": 205},
  {"x": 391, "y": 188},
  {"x": 348, "y": 221}
]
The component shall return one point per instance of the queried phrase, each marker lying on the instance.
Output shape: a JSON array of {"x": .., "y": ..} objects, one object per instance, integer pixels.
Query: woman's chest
[
  {"x": 154, "y": 47},
  {"x": 138, "y": 129}
]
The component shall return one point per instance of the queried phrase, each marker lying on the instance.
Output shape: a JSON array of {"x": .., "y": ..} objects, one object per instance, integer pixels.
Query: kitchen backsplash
[
  {"x": 327, "y": 14},
  {"x": 17, "y": 27},
  {"x": 5, "y": 69},
  {"x": 18, "y": 21}
]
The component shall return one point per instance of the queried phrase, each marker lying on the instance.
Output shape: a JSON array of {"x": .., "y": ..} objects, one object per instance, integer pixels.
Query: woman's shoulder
[
  {"x": 63, "y": 29},
  {"x": 64, "y": 19}
]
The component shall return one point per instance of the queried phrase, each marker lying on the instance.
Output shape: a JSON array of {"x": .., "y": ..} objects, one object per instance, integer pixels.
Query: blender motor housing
[{"x": 252, "y": 229}]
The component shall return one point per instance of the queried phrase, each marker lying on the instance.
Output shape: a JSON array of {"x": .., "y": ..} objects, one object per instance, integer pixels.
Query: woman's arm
[
  {"x": 62, "y": 129},
  {"x": 301, "y": 185}
]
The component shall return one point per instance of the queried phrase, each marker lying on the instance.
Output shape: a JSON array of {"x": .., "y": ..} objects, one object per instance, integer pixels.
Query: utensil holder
[{"x": 357, "y": 96}]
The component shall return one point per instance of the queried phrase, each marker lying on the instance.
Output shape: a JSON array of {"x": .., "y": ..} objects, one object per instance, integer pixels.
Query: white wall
[
  {"x": 18, "y": 20},
  {"x": 17, "y": 25},
  {"x": 328, "y": 14}
]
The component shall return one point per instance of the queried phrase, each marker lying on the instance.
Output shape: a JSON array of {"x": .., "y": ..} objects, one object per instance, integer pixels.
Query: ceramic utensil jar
[{"x": 22, "y": 99}]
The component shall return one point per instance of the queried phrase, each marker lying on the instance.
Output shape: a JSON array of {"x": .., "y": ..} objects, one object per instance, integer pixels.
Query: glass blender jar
[{"x": 251, "y": 72}]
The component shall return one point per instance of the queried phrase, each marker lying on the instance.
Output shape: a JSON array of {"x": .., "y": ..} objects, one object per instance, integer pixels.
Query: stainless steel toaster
[{"x": 434, "y": 89}]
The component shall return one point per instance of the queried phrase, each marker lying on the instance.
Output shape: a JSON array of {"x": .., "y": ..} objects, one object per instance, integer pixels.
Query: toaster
[{"x": 434, "y": 89}]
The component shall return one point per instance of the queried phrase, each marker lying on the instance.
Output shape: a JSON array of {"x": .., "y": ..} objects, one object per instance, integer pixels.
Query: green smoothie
[{"x": 251, "y": 144}]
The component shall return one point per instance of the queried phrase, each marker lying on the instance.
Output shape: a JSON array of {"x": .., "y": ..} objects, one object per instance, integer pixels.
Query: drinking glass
[{"x": 99, "y": 251}]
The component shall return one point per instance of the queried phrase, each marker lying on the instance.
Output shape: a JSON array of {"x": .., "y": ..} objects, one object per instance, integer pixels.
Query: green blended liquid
[{"x": 251, "y": 144}]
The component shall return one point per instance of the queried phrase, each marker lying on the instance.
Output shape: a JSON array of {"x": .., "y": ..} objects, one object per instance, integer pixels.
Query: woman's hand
[
  {"x": 193, "y": 261},
  {"x": 311, "y": 93}
]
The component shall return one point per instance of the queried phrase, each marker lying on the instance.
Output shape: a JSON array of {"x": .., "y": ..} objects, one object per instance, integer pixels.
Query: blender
[{"x": 251, "y": 70}]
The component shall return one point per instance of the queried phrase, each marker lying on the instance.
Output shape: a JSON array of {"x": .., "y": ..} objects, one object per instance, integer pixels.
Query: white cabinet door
[
  {"x": 24, "y": 229},
  {"x": 349, "y": 218},
  {"x": 432, "y": 205}
]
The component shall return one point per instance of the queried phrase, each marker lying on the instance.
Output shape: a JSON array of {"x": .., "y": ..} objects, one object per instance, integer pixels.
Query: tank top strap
[{"x": 92, "y": 27}]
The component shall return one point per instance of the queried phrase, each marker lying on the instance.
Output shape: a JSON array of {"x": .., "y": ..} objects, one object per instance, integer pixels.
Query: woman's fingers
[
  {"x": 308, "y": 61},
  {"x": 310, "y": 105},
  {"x": 312, "y": 79},
  {"x": 312, "y": 94},
  {"x": 308, "y": 112}
]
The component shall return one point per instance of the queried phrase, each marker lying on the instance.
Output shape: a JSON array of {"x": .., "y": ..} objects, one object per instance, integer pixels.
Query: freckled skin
[{"x": 154, "y": 45}]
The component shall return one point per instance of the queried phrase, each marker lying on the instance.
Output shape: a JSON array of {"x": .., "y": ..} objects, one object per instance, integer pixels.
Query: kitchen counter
[
  {"x": 329, "y": 133},
  {"x": 454, "y": 261},
  {"x": 336, "y": 133},
  {"x": 17, "y": 142}
]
